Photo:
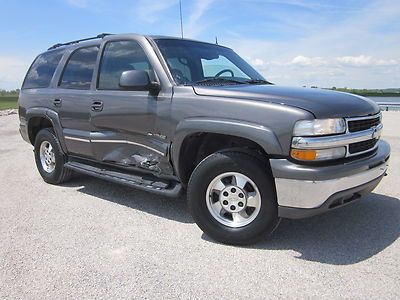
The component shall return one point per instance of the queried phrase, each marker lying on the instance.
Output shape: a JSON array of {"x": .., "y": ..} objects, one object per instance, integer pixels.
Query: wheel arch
[
  {"x": 38, "y": 118},
  {"x": 198, "y": 132}
]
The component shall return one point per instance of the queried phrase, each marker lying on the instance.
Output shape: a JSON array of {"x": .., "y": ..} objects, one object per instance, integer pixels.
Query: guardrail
[{"x": 387, "y": 106}]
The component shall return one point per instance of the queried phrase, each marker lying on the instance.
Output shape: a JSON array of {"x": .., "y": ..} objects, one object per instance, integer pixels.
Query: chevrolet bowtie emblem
[{"x": 374, "y": 132}]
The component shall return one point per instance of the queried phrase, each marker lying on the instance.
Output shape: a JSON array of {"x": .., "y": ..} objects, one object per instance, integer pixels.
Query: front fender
[{"x": 259, "y": 134}]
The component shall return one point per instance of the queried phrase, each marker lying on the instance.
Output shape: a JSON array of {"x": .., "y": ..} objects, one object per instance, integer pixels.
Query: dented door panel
[{"x": 131, "y": 150}]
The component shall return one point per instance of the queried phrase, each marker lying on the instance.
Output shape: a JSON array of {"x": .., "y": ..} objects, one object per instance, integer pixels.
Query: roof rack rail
[{"x": 99, "y": 36}]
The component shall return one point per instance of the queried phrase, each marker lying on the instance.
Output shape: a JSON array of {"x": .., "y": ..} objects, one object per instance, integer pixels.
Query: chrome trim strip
[
  {"x": 113, "y": 141},
  {"x": 76, "y": 139},
  {"x": 336, "y": 140},
  {"x": 364, "y": 118},
  {"x": 128, "y": 142},
  {"x": 312, "y": 194}
]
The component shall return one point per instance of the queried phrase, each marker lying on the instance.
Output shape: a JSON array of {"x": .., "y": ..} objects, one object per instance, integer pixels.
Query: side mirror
[{"x": 135, "y": 80}]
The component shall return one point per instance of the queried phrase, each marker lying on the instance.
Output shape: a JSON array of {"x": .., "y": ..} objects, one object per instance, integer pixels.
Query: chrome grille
[
  {"x": 361, "y": 124},
  {"x": 362, "y": 146}
]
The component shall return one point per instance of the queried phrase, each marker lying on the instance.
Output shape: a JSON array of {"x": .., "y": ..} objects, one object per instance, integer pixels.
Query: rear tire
[
  {"x": 231, "y": 196},
  {"x": 49, "y": 158}
]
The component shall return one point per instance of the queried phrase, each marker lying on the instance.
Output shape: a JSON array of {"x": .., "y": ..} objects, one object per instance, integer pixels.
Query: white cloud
[
  {"x": 78, "y": 3},
  {"x": 258, "y": 62},
  {"x": 193, "y": 23},
  {"x": 361, "y": 60},
  {"x": 194, "y": 27},
  {"x": 308, "y": 61},
  {"x": 341, "y": 61},
  {"x": 364, "y": 60},
  {"x": 200, "y": 8},
  {"x": 149, "y": 11},
  {"x": 357, "y": 51},
  {"x": 13, "y": 71}
]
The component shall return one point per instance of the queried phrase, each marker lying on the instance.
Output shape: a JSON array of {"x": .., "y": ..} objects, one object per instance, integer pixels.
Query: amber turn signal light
[{"x": 304, "y": 154}]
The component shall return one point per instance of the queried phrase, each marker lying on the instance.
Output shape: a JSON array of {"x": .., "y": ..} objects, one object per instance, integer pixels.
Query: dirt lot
[{"x": 90, "y": 238}]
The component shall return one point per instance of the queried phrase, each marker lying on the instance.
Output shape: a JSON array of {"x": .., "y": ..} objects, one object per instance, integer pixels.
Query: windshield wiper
[
  {"x": 258, "y": 81},
  {"x": 219, "y": 79}
]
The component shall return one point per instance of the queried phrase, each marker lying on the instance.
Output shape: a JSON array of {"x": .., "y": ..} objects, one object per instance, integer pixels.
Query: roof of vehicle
[
  {"x": 91, "y": 40},
  {"x": 162, "y": 37}
]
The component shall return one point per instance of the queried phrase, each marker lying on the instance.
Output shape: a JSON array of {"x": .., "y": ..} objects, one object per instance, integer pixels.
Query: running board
[{"x": 156, "y": 186}]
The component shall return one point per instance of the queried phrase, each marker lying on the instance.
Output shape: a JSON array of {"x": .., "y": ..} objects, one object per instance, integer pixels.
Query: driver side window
[
  {"x": 118, "y": 57},
  {"x": 214, "y": 66}
]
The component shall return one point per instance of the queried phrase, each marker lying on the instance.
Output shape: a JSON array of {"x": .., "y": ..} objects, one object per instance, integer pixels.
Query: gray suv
[{"x": 167, "y": 115}]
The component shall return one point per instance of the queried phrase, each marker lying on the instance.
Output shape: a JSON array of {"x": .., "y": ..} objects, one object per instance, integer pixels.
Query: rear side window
[
  {"x": 118, "y": 57},
  {"x": 79, "y": 69},
  {"x": 42, "y": 70}
]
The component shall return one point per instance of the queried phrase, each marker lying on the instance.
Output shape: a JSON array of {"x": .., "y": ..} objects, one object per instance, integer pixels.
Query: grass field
[{"x": 7, "y": 102}]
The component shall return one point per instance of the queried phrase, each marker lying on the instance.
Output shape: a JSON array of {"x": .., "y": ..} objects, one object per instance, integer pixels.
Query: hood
[{"x": 321, "y": 103}]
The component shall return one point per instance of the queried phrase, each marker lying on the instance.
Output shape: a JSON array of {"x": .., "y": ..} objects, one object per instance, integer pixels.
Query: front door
[{"x": 124, "y": 121}]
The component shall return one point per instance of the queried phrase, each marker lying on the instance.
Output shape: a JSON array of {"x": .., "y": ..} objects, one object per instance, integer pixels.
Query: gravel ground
[{"x": 90, "y": 238}]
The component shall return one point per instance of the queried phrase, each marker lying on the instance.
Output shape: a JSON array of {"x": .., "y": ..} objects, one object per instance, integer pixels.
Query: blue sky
[{"x": 339, "y": 43}]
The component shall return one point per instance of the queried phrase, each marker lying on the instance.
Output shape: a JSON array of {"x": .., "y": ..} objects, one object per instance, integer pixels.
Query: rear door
[
  {"x": 123, "y": 128},
  {"x": 74, "y": 100}
]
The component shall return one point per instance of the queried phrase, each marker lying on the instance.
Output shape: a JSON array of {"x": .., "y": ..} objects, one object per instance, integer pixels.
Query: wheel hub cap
[
  {"x": 233, "y": 199},
  {"x": 47, "y": 157}
]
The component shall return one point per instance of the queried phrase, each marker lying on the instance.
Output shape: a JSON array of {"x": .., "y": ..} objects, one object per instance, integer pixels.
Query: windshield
[{"x": 198, "y": 63}]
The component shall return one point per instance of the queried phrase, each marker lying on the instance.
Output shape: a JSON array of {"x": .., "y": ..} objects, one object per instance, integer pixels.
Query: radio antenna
[{"x": 180, "y": 12}]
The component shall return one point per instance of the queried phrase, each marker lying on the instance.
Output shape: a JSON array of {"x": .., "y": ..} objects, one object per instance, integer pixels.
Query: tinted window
[
  {"x": 119, "y": 57},
  {"x": 221, "y": 65},
  {"x": 78, "y": 72},
  {"x": 42, "y": 70},
  {"x": 191, "y": 62},
  {"x": 179, "y": 69}
]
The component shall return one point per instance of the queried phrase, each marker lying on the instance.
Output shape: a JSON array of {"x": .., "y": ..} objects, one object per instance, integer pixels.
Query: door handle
[
  {"x": 57, "y": 102},
  {"x": 97, "y": 105}
]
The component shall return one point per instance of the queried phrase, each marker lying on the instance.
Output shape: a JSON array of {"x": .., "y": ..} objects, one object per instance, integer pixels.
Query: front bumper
[{"x": 303, "y": 191}]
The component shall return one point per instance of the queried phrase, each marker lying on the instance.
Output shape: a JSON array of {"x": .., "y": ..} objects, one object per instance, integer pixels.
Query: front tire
[
  {"x": 231, "y": 196},
  {"x": 49, "y": 158}
]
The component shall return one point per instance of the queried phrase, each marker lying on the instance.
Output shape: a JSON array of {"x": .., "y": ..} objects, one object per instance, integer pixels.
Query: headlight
[
  {"x": 313, "y": 129},
  {"x": 318, "y": 154},
  {"x": 319, "y": 127}
]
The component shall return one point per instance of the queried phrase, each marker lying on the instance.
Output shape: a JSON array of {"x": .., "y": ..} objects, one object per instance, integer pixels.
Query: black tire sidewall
[
  {"x": 222, "y": 162},
  {"x": 48, "y": 135}
]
